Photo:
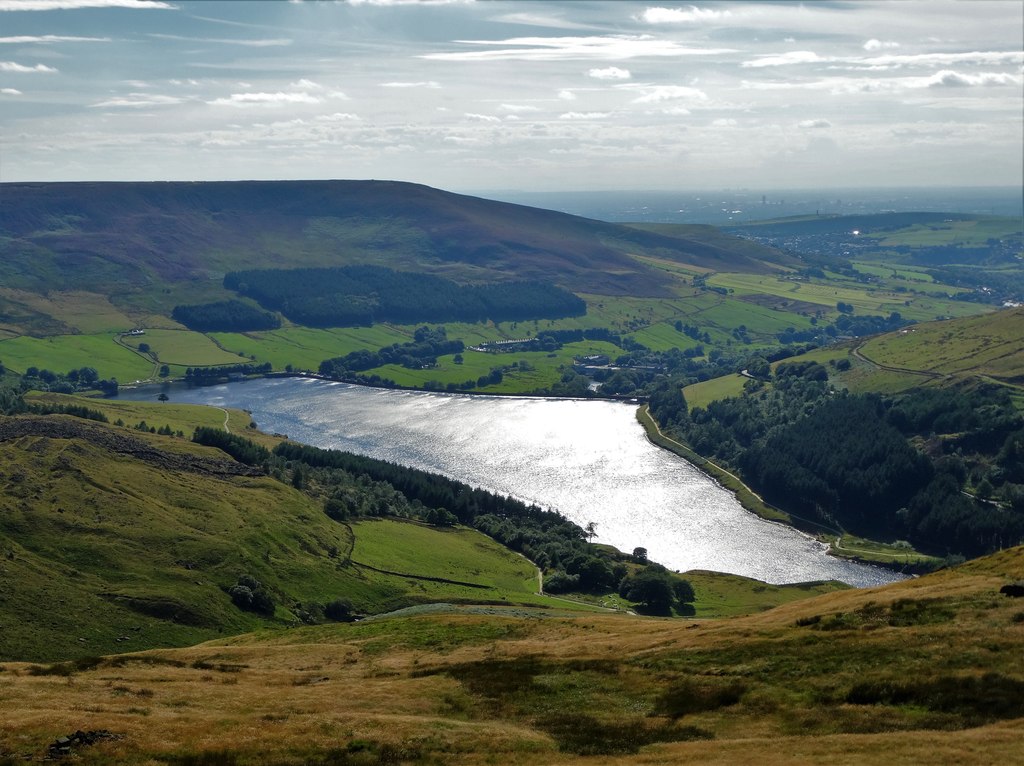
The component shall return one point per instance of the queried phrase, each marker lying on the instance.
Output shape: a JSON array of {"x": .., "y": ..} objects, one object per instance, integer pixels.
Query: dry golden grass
[{"x": 441, "y": 688}]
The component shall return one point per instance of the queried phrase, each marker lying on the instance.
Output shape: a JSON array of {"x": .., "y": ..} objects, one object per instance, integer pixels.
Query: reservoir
[{"x": 588, "y": 459}]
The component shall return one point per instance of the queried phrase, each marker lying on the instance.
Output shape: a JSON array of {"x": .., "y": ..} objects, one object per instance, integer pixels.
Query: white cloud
[
  {"x": 136, "y": 100},
  {"x": 655, "y": 94},
  {"x": 46, "y": 39},
  {"x": 877, "y": 45},
  {"x": 409, "y": 2},
  {"x": 260, "y": 43},
  {"x": 10, "y": 91},
  {"x": 64, "y": 5},
  {"x": 249, "y": 99},
  {"x": 724, "y": 122},
  {"x": 517, "y": 108},
  {"x": 12, "y": 66},
  {"x": 889, "y": 60},
  {"x": 609, "y": 73},
  {"x": 428, "y": 84},
  {"x": 819, "y": 123},
  {"x": 689, "y": 15},
  {"x": 610, "y": 47},
  {"x": 583, "y": 115},
  {"x": 845, "y": 85},
  {"x": 785, "y": 59},
  {"x": 566, "y": 95},
  {"x": 305, "y": 84},
  {"x": 338, "y": 117},
  {"x": 950, "y": 79},
  {"x": 482, "y": 117},
  {"x": 985, "y": 58},
  {"x": 537, "y": 20}
]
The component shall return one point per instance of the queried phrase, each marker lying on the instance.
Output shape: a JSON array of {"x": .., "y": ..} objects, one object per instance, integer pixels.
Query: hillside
[
  {"x": 923, "y": 671},
  {"x": 965, "y": 351},
  {"x": 122, "y": 239},
  {"x": 114, "y": 539}
]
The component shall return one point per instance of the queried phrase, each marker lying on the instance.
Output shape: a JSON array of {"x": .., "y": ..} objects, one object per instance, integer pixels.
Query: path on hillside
[
  {"x": 859, "y": 353},
  {"x": 227, "y": 415},
  {"x": 148, "y": 357}
]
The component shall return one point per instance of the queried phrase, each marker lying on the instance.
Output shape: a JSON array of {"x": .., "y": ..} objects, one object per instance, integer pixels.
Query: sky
[{"x": 533, "y": 96}]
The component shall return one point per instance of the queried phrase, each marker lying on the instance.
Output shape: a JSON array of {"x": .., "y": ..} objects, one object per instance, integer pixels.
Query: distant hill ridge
[{"x": 72, "y": 235}]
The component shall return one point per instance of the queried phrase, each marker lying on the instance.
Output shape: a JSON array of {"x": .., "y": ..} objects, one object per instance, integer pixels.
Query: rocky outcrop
[{"x": 116, "y": 440}]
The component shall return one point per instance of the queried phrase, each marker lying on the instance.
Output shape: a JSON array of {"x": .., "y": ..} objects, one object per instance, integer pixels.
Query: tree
[
  {"x": 683, "y": 591},
  {"x": 165, "y": 371},
  {"x": 163, "y": 397},
  {"x": 640, "y": 555},
  {"x": 591, "y": 530},
  {"x": 339, "y": 610},
  {"x": 651, "y": 589}
]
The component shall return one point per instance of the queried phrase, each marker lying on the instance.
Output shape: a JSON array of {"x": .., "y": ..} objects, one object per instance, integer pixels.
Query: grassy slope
[
  {"x": 87, "y": 531},
  {"x": 939, "y": 655},
  {"x": 980, "y": 348}
]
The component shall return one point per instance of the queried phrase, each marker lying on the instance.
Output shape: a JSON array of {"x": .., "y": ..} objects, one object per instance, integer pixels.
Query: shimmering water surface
[{"x": 590, "y": 460}]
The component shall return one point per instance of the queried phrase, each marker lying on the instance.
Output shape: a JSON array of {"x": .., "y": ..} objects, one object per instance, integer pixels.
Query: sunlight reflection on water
[{"x": 590, "y": 460}]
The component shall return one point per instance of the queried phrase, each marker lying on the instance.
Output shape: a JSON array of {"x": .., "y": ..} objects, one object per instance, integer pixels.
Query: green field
[
  {"x": 865, "y": 300},
  {"x": 457, "y": 554},
  {"x": 703, "y": 393},
  {"x": 305, "y": 347},
  {"x": 61, "y": 353},
  {"x": 971, "y": 233},
  {"x": 543, "y": 368},
  {"x": 988, "y": 346},
  {"x": 183, "y": 348}
]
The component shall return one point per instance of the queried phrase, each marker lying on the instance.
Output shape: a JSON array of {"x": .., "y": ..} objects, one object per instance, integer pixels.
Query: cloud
[
  {"x": 724, "y": 122},
  {"x": 385, "y": 3},
  {"x": 950, "y": 79},
  {"x": 985, "y": 58},
  {"x": 46, "y": 39},
  {"x": 584, "y": 115},
  {"x": 482, "y": 117},
  {"x": 65, "y": 5},
  {"x": 516, "y": 108},
  {"x": 10, "y": 91},
  {"x": 654, "y": 94},
  {"x": 428, "y": 84},
  {"x": 690, "y": 15},
  {"x": 305, "y": 84},
  {"x": 809, "y": 124},
  {"x": 888, "y": 61},
  {"x": 135, "y": 100},
  {"x": 786, "y": 59},
  {"x": 609, "y": 73},
  {"x": 251, "y": 99},
  {"x": 262, "y": 43},
  {"x": 538, "y": 20},
  {"x": 845, "y": 85},
  {"x": 609, "y": 47},
  {"x": 12, "y": 66},
  {"x": 877, "y": 45},
  {"x": 566, "y": 95}
]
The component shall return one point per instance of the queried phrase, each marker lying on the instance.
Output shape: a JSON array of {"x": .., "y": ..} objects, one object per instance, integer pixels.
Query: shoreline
[{"x": 755, "y": 504}]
